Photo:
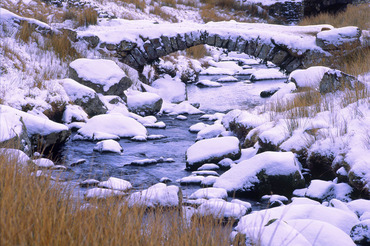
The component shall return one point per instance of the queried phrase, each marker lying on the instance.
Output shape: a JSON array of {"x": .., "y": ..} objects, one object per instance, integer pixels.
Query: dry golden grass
[
  {"x": 197, "y": 52},
  {"x": 354, "y": 15},
  {"x": 157, "y": 10},
  {"x": 62, "y": 47},
  {"x": 209, "y": 13},
  {"x": 39, "y": 211},
  {"x": 88, "y": 16},
  {"x": 140, "y": 4}
]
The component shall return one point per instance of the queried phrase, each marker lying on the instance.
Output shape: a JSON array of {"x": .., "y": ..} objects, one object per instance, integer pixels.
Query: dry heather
[
  {"x": 354, "y": 15},
  {"x": 39, "y": 211}
]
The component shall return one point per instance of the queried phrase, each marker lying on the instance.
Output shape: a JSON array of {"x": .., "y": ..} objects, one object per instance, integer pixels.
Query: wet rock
[
  {"x": 89, "y": 183},
  {"x": 92, "y": 40},
  {"x": 268, "y": 93},
  {"x": 78, "y": 162}
]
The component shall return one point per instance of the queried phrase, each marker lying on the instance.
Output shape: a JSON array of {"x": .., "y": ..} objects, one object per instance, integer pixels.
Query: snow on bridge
[{"x": 141, "y": 42}]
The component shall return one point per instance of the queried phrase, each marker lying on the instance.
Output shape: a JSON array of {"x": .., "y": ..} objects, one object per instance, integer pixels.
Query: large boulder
[
  {"x": 212, "y": 150},
  {"x": 344, "y": 38},
  {"x": 334, "y": 80},
  {"x": 84, "y": 96},
  {"x": 104, "y": 76},
  {"x": 265, "y": 173},
  {"x": 43, "y": 133},
  {"x": 144, "y": 103}
]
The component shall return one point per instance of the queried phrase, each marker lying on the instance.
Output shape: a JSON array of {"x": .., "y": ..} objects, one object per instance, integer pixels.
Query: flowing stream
[{"x": 100, "y": 166}]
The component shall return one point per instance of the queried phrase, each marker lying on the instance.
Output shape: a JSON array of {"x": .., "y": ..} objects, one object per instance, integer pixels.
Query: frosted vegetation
[{"x": 293, "y": 148}]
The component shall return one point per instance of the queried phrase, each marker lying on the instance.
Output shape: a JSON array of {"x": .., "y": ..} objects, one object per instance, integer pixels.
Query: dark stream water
[{"x": 100, "y": 166}]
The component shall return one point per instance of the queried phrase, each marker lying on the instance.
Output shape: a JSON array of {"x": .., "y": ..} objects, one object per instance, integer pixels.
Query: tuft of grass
[
  {"x": 88, "y": 16},
  {"x": 62, "y": 47},
  {"x": 25, "y": 32},
  {"x": 354, "y": 15},
  {"x": 42, "y": 211},
  {"x": 157, "y": 10},
  {"x": 197, "y": 52}
]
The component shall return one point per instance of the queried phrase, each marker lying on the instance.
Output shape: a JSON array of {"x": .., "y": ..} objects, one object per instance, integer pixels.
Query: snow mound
[
  {"x": 115, "y": 124},
  {"x": 309, "y": 77},
  {"x": 219, "y": 208},
  {"x": 267, "y": 74},
  {"x": 108, "y": 146},
  {"x": 116, "y": 184}
]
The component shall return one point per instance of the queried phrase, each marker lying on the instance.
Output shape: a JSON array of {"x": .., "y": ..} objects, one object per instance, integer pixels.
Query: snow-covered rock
[
  {"x": 210, "y": 131},
  {"x": 360, "y": 233},
  {"x": 144, "y": 162},
  {"x": 170, "y": 89},
  {"x": 158, "y": 195},
  {"x": 209, "y": 193},
  {"x": 207, "y": 83},
  {"x": 197, "y": 127},
  {"x": 212, "y": 150},
  {"x": 109, "y": 145},
  {"x": 103, "y": 76},
  {"x": 267, "y": 74},
  {"x": 205, "y": 173},
  {"x": 336, "y": 217},
  {"x": 89, "y": 183},
  {"x": 74, "y": 113},
  {"x": 116, "y": 124},
  {"x": 101, "y": 193},
  {"x": 359, "y": 206},
  {"x": 182, "y": 108},
  {"x": 309, "y": 77},
  {"x": 221, "y": 209},
  {"x": 208, "y": 166},
  {"x": 43, "y": 162},
  {"x": 209, "y": 181},
  {"x": 344, "y": 38},
  {"x": 83, "y": 96},
  {"x": 116, "y": 184},
  {"x": 276, "y": 172},
  {"x": 144, "y": 103},
  {"x": 41, "y": 131},
  {"x": 321, "y": 190},
  {"x": 15, "y": 156},
  {"x": 191, "y": 180},
  {"x": 227, "y": 79}
]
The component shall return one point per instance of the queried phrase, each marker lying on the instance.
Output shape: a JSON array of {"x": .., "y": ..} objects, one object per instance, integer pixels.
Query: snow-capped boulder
[
  {"x": 43, "y": 162},
  {"x": 309, "y": 77},
  {"x": 158, "y": 195},
  {"x": 267, "y": 74},
  {"x": 15, "y": 156},
  {"x": 208, "y": 166},
  {"x": 115, "y": 184},
  {"x": 360, "y": 233},
  {"x": 170, "y": 89},
  {"x": 108, "y": 146},
  {"x": 191, "y": 180},
  {"x": 334, "y": 80},
  {"x": 221, "y": 209},
  {"x": 209, "y": 193},
  {"x": 227, "y": 79},
  {"x": 74, "y": 113},
  {"x": 210, "y": 131},
  {"x": 116, "y": 124},
  {"x": 89, "y": 183},
  {"x": 103, "y": 76},
  {"x": 276, "y": 172},
  {"x": 212, "y": 150},
  {"x": 344, "y": 38},
  {"x": 144, "y": 103},
  {"x": 42, "y": 132},
  {"x": 84, "y": 96},
  {"x": 321, "y": 191}
]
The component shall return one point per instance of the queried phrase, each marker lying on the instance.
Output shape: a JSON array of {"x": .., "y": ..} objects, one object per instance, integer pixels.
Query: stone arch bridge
[{"x": 138, "y": 43}]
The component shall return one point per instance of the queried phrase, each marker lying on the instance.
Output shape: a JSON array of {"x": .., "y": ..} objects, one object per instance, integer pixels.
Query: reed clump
[{"x": 37, "y": 210}]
